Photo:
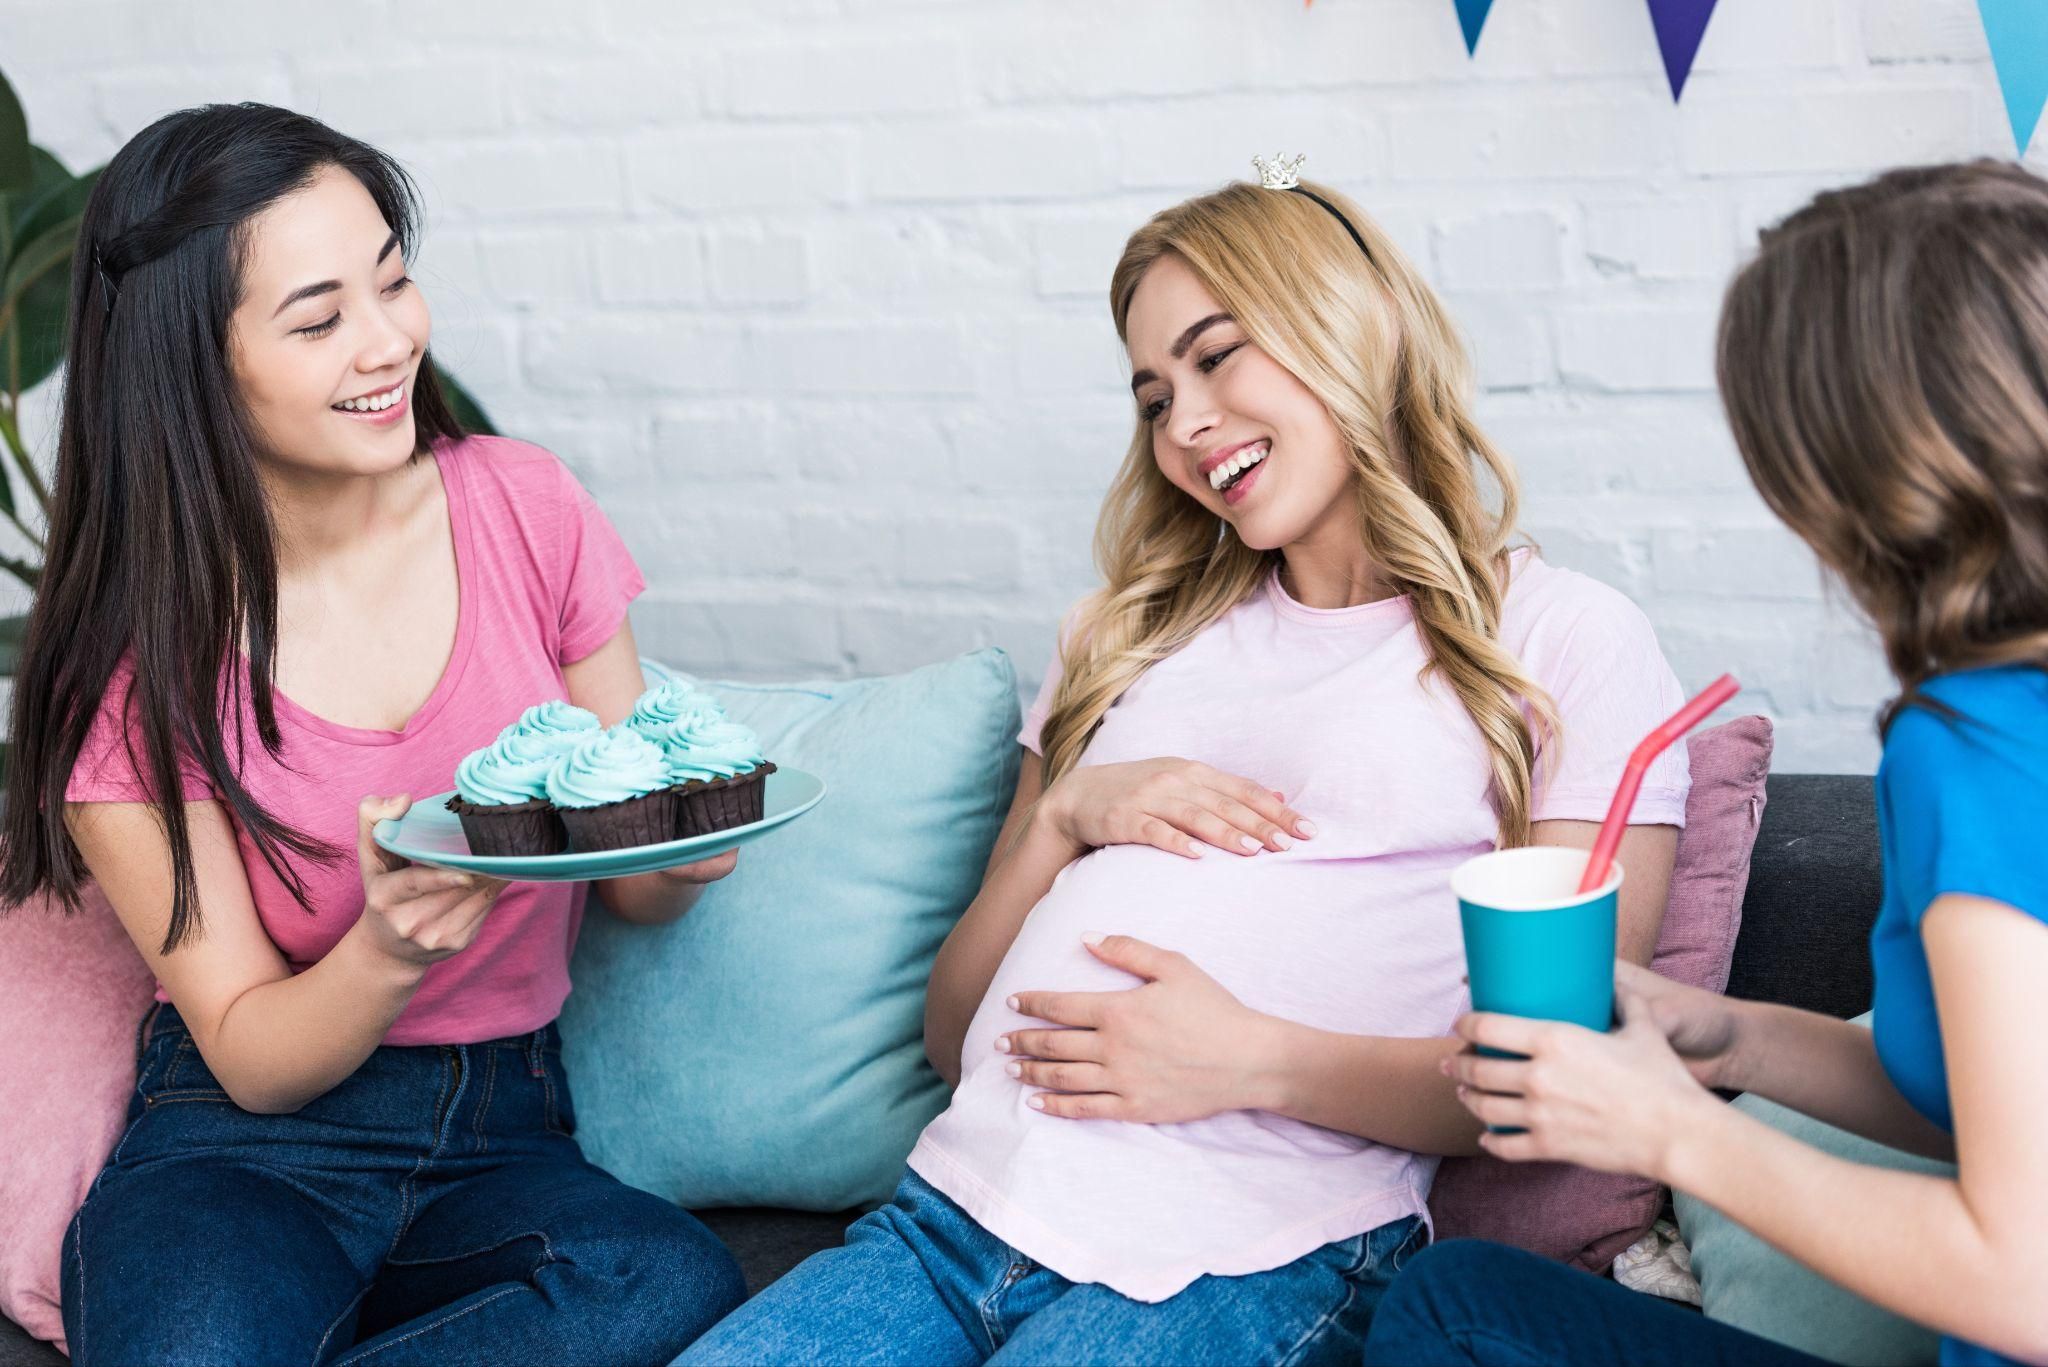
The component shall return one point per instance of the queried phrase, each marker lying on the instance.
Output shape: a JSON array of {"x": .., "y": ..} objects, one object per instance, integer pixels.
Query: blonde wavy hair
[{"x": 1364, "y": 333}]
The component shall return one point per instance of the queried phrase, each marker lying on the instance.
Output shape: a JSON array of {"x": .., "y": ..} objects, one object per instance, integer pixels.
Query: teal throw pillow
[
  {"x": 1747, "y": 1283},
  {"x": 768, "y": 1048}
]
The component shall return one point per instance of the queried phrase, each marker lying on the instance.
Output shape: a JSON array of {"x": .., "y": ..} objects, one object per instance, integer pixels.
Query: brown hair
[
  {"x": 1884, "y": 362},
  {"x": 1363, "y": 331}
]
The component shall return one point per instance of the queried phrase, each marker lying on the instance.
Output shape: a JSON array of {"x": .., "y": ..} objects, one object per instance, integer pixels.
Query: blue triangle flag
[
  {"x": 1472, "y": 18},
  {"x": 2018, "y": 33},
  {"x": 1680, "y": 25}
]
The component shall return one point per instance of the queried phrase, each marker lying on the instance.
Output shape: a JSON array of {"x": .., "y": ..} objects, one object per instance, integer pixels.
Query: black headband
[{"x": 1338, "y": 215}]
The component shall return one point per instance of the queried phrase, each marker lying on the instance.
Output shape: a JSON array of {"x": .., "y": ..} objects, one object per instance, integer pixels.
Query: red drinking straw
[{"x": 1653, "y": 745}]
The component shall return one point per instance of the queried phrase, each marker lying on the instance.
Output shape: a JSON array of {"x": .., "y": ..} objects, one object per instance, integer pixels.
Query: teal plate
[{"x": 430, "y": 834}]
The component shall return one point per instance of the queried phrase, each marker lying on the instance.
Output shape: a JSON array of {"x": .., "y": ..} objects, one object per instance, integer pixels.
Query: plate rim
[{"x": 504, "y": 864}]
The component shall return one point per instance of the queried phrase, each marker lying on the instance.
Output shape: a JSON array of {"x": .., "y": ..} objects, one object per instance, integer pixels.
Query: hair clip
[
  {"x": 1282, "y": 172},
  {"x": 107, "y": 286}
]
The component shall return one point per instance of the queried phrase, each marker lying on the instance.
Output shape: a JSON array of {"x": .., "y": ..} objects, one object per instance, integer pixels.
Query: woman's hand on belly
[
  {"x": 1172, "y": 804},
  {"x": 1178, "y": 1047}
]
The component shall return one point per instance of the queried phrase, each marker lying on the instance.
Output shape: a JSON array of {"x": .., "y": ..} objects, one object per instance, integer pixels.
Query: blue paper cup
[{"x": 1534, "y": 944}]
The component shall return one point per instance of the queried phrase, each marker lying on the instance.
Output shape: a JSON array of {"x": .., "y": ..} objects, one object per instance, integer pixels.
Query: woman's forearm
[
  {"x": 1909, "y": 1242},
  {"x": 283, "y": 1043},
  {"x": 1385, "y": 1089},
  {"x": 967, "y": 962},
  {"x": 647, "y": 899},
  {"x": 1827, "y": 1069}
]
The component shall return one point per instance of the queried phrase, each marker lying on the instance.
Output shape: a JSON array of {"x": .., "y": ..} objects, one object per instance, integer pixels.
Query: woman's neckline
[{"x": 455, "y": 494}]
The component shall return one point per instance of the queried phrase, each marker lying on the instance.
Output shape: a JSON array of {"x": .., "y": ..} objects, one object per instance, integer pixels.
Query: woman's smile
[{"x": 379, "y": 408}]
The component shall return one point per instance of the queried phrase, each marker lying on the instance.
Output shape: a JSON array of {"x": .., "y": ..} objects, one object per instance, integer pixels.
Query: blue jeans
[
  {"x": 1467, "y": 1302},
  {"x": 433, "y": 1207},
  {"x": 918, "y": 1281}
]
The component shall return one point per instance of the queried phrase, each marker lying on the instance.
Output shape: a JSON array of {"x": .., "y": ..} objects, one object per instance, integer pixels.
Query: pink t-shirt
[
  {"x": 1355, "y": 931},
  {"x": 544, "y": 581}
]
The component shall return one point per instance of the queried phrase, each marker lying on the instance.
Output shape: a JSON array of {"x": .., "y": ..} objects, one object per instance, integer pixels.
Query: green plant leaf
[
  {"x": 38, "y": 257},
  {"x": 35, "y": 295},
  {"x": 19, "y": 216},
  {"x": 12, "y": 629},
  {"x": 468, "y": 411},
  {"x": 16, "y": 172},
  {"x": 12, "y": 440},
  {"x": 56, "y": 196}
]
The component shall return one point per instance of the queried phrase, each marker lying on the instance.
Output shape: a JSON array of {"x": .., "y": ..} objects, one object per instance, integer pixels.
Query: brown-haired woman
[{"x": 1884, "y": 362}]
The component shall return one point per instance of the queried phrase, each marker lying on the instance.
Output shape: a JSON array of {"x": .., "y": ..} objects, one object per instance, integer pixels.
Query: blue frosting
[
  {"x": 512, "y": 769},
  {"x": 607, "y": 766},
  {"x": 708, "y": 748}
]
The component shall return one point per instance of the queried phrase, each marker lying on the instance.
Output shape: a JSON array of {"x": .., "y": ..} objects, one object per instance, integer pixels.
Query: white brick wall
[{"x": 810, "y": 292}]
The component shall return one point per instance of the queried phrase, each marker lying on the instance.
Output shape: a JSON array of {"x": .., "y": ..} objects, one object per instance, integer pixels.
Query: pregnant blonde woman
[{"x": 1197, "y": 1011}]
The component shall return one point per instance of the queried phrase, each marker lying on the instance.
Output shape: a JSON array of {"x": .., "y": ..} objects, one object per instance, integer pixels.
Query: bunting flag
[
  {"x": 1472, "y": 18},
  {"x": 1680, "y": 25},
  {"x": 2018, "y": 33}
]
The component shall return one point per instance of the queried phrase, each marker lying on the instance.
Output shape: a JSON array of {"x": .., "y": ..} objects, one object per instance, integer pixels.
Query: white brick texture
[{"x": 811, "y": 292}]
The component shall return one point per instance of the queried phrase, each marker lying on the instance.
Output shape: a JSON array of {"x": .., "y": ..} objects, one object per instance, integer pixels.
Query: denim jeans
[
  {"x": 433, "y": 1207},
  {"x": 1467, "y": 1302},
  {"x": 918, "y": 1281}
]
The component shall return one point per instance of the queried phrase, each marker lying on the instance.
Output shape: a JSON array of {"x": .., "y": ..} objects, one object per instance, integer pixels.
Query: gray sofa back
[{"x": 1814, "y": 883}]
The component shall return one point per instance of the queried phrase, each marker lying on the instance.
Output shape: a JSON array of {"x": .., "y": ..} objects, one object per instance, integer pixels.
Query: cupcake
[
  {"x": 719, "y": 772},
  {"x": 501, "y": 796},
  {"x": 613, "y": 792}
]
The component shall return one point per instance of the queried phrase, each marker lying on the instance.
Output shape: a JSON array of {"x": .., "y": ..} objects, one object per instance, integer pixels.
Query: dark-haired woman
[
  {"x": 1884, "y": 362},
  {"x": 280, "y": 578}
]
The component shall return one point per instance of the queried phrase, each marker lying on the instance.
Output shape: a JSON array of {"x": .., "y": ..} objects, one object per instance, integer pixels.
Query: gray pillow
[{"x": 1747, "y": 1283}]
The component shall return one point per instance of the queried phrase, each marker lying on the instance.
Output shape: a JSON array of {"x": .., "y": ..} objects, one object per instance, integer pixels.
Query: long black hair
[{"x": 161, "y": 548}]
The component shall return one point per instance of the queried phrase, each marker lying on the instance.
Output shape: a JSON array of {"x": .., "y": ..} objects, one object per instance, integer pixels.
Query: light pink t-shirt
[
  {"x": 544, "y": 581},
  {"x": 1355, "y": 931}
]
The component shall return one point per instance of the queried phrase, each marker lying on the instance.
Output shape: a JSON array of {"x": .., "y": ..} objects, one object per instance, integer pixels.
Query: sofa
[{"x": 1812, "y": 895}]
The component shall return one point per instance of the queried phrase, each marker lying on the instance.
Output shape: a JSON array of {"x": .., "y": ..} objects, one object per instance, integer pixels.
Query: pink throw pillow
[
  {"x": 72, "y": 992},
  {"x": 1587, "y": 1218}
]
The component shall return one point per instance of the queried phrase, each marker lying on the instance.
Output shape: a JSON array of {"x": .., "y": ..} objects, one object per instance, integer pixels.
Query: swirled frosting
[
  {"x": 607, "y": 766},
  {"x": 554, "y": 720},
  {"x": 514, "y": 768},
  {"x": 667, "y": 704},
  {"x": 708, "y": 748}
]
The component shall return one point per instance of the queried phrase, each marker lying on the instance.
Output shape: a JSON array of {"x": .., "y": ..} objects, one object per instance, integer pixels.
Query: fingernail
[
  {"x": 1279, "y": 797},
  {"x": 1280, "y": 839},
  {"x": 1010, "y": 1002},
  {"x": 1002, "y": 1044},
  {"x": 1014, "y": 1069},
  {"x": 1250, "y": 843},
  {"x": 1036, "y": 1103},
  {"x": 1093, "y": 937},
  {"x": 1194, "y": 850},
  {"x": 1307, "y": 829}
]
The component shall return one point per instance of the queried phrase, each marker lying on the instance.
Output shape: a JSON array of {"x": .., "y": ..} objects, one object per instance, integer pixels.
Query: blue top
[{"x": 1962, "y": 807}]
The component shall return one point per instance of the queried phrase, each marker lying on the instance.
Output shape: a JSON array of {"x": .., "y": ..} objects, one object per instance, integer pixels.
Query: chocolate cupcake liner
[
  {"x": 720, "y": 804},
  {"x": 646, "y": 820},
  {"x": 523, "y": 828}
]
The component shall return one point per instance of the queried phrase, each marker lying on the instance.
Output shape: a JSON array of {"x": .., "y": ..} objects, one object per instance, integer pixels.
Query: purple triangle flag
[
  {"x": 2018, "y": 33},
  {"x": 1472, "y": 18},
  {"x": 1680, "y": 25}
]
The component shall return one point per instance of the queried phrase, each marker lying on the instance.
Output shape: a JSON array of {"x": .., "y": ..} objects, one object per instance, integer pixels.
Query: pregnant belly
[{"x": 1357, "y": 945}]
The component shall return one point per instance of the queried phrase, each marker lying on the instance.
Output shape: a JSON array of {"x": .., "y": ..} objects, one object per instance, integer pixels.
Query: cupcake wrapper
[
  {"x": 648, "y": 820},
  {"x": 527, "y": 828},
  {"x": 722, "y": 803}
]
